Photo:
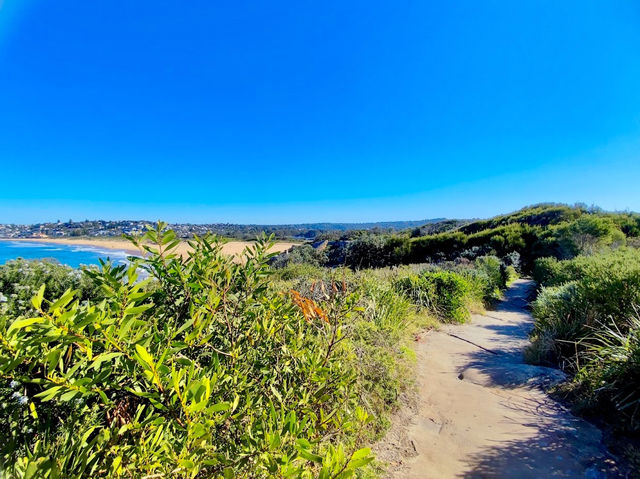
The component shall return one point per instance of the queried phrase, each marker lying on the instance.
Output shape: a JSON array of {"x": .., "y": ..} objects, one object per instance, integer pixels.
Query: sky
[{"x": 305, "y": 111}]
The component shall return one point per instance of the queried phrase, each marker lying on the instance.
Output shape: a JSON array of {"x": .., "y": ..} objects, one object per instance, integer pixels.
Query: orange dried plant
[{"x": 309, "y": 308}]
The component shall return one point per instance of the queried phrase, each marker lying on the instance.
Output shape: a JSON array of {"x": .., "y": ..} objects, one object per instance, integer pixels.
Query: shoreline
[
  {"x": 115, "y": 244},
  {"x": 230, "y": 248}
]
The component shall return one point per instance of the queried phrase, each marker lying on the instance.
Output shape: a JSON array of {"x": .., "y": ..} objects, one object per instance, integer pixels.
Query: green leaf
[
  {"x": 23, "y": 323},
  {"x": 221, "y": 406},
  {"x": 49, "y": 393},
  {"x": 186, "y": 463},
  {"x": 360, "y": 453},
  {"x": 303, "y": 443},
  {"x": 135, "y": 310},
  {"x": 102, "y": 358},
  {"x": 360, "y": 458},
  {"x": 64, "y": 300},
  {"x": 309, "y": 456},
  {"x": 69, "y": 395},
  {"x": 37, "y": 299},
  {"x": 144, "y": 355}
]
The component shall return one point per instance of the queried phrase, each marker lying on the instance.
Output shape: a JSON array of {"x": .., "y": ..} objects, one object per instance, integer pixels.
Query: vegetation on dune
[
  {"x": 289, "y": 365},
  {"x": 210, "y": 368},
  {"x": 558, "y": 231},
  {"x": 587, "y": 322},
  {"x": 21, "y": 279},
  {"x": 202, "y": 369},
  {"x": 586, "y": 262}
]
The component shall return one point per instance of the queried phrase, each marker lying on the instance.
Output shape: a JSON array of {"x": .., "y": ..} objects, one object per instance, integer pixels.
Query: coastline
[
  {"x": 231, "y": 248},
  {"x": 115, "y": 244}
]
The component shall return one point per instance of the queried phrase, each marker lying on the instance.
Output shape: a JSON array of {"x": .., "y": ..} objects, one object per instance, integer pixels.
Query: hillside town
[{"x": 105, "y": 228}]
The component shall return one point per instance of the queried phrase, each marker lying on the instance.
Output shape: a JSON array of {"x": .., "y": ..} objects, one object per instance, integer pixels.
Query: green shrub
[
  {"x": 298, "y": 270},
  {"x": 450, "y": 293},
  {"x": 418, "y": 289},
  {"x": 21, "y": 279},
  {"x": 612, "y": 372},
  {"x": 581, "y": 324},
  {"x": 588, "y": 235},
  {"x": 495, "y": 271},
  {"x": 203, "y": 371},
  {"x": 302, "y": 254},
  {"x": 443, "y": 292},
  {"x": 368, "y": 251},
  {"x": 609, "y": 282},
  {"x": 511, "y": 274},
  {"x": 378, "y": 335},
  {"x": 381, "y": 332},
  {"x": 481, "y": 292},
  {"x": 561, "y": 315},
  {"x": 546, "y": 271}
]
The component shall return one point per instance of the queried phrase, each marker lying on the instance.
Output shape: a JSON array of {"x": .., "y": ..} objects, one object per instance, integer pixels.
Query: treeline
[{"x": 557, "y": 231}]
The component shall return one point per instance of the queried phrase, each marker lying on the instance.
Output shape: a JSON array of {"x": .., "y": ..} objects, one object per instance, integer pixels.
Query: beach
[{"x": 231, "y": 248}]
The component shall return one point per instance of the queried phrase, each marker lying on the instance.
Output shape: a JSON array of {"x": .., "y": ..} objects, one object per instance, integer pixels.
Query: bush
[
  {"x": 302, "y": 254},
  {"x": 418, "y": 289},
  {"x": 202, "y": 371},
  {"x": 482, "y": 292},
  {"x": 612, "y": 372},
  {"x": 582, "y": 324},
  {"x": 378, "y": 336},
  {"x": 443, "y": 292},
  {"x": 373, "y": 251},
  {"x": 513, "y": 259},
  {"x": 21, "y": 279},
  {"x": 450, "y": 293},
  {"x": 560, "y": 313},
  {"x": 382, "y": 331},
  {"x": 588, "y": 235},
  {"x": 368, "y": 251},
  {"x": 610, "y": 282},
  {"x": 495, "y": 271}
]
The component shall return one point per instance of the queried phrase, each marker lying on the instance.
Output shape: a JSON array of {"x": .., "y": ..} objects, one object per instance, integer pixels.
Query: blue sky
[{"x": 275, "y": 112}]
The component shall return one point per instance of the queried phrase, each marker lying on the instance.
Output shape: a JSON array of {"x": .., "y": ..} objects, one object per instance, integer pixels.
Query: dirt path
[{"x": 483, "y": 413}]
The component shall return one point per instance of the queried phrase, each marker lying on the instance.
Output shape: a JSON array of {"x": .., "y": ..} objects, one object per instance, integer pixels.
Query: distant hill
[{"x": 391, "y": 225}]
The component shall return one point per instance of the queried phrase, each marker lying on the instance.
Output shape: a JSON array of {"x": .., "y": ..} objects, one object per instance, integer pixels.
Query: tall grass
[
  {"x": 587, "y": 323},
  {"x": 612, "y": 370}
]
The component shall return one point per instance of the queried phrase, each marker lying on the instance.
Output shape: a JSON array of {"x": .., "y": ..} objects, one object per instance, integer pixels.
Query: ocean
[{"x": 71, "y": 255}]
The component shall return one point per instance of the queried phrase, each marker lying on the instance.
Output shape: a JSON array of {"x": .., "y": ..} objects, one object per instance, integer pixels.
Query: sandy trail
[{"x": 482, "y": 413}]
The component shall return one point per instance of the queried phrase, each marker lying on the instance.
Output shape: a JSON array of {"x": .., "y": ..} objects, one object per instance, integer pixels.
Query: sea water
[{"x": 71, "y": 255}]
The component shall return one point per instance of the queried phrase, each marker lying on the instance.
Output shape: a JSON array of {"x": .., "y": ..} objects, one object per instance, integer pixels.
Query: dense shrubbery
[
  {"x": 586, "y": 321},
  {"x": 378, "y": 333},
  {"x": 303, "y": 254},
  {"x": 210, "y": 368},
  {"x": 202, "y": 369},
  {"x": 557, "y": 231},
  {"x": 21, "y": 279},
  {"x": 452, "y": 291}
]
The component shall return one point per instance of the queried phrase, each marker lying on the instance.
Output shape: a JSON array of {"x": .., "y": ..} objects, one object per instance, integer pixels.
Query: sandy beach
[{"x": 231, "y": 248}]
